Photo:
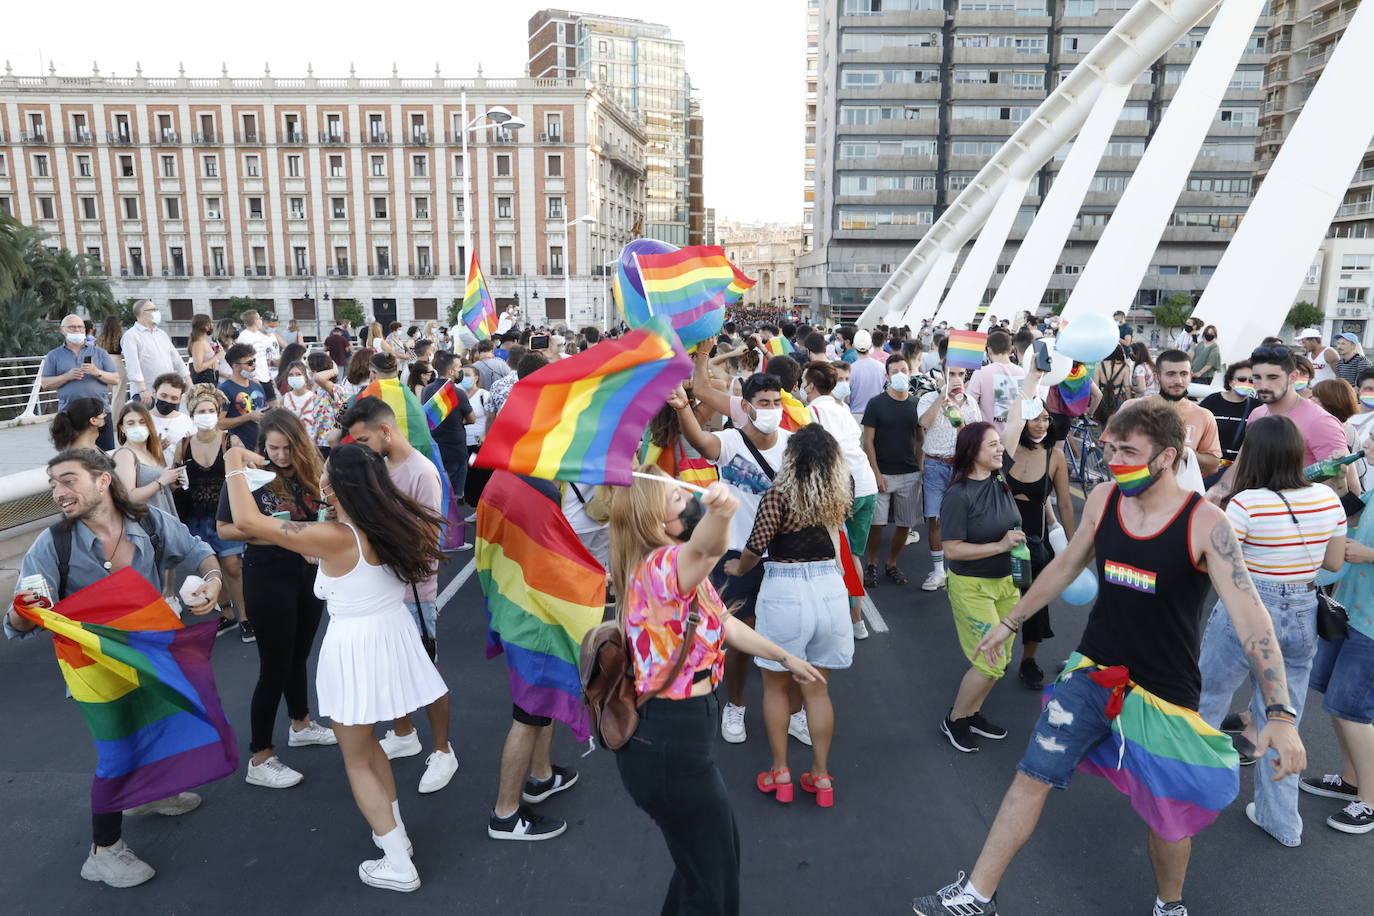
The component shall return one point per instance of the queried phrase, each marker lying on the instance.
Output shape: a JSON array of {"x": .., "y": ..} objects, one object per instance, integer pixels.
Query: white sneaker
[
  {"x": 732, "y": 724},
  {"x": 169, "y": 807},
  {"x": 913, "y": 536},
  {"x": 439, "y": 769},
  {"x": 116, "y": 866},
  {"x": 381, "y": 873},
  {"x": 860, "y": 630},
  {"x": 934, "y": 582},
  {"x": 272, "y": 774},
  {"x": 400, "y": 746},
  {"x": 313, "y": 733},
  {"x": 799, "y": 728},
  {"x": 410, "y": 847}
]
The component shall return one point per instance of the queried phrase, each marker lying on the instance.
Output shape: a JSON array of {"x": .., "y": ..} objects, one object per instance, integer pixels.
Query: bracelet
[
  {"x": 1006, "y": 622},
  {"x": 241, "y": 472},
  {"x": 1282, "y": 717},
  {"x": 215, "y": 572}
]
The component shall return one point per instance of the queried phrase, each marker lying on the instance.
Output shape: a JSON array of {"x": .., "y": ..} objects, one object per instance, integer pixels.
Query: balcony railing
[
  {"x": 329, "y": 139},
  {"x": 1363, "y": 175},
  {"x": 423, "y": 272},
  {"x": 381, "y": 270},
  {"x": 79, "y": 135},
  {"x": 33, "y": 136},
  {"x": 216, "y": 271},
  {"x": 1318, "y": 59},
  {"x": 119, "y": 138},
  {"x": 377, "y": 138},
  {"x": 295, "y": 138},
  {"x": 419, "y": 138},
  {"x": 207, "y": 138},
  {"x": 340, "y": 270},
  {"x": 1331, "y": 24},
  {"x": 247, "y": 136},
  {"x": 168, "y": 136},
  {"x": 258, "y": 270},
  {"x": 1356, "y": 208}
]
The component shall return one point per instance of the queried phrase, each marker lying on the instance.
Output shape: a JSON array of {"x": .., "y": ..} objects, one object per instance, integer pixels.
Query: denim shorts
[
  {"x": 431, "y": 611},
  {"x": 1070, "y": 726},
  {"x": 203, "y": 527},
  {"x": 934, "y": 482},
  {"x": 1344, "y": 672},
  {"x": 804, "y": 608}
]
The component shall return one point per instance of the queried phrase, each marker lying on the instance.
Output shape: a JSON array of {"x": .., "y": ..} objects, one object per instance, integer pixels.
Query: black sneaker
[
  {"x": 896, "y": 575},
  {"x": 1329, "y": 786},
  {"x": 1356, "y": 817},
  {"x": 224, "y": 626},
  {"x": 959, "y": 735},
  {"x": 981, "y": 726},
  {"x": 953, "y": 900},
  {"x": 524, "y": 824},
  {"x": 537, "y": 790},
  {"x": 1032, "y": 678},
  {"x": 871, "y": 575},
  {"x": 246, "y": 632}
]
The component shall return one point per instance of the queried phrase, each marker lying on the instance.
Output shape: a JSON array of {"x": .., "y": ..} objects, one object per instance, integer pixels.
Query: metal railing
[{"x": 20, "y": 400}]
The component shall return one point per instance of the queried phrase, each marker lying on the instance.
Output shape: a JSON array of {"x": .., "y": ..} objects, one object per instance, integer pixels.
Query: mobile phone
[
  {"x": 284, "y": 515},
  {"x": 88, "y": 360},
  {"x": 1042, "y": 356},
  {"x": 539, "y": 341}
]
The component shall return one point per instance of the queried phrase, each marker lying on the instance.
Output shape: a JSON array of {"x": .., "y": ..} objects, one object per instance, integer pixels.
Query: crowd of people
[{"x": 824, "y": 457}]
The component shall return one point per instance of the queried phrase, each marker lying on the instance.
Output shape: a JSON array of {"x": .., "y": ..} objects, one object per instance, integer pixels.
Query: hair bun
[{"x": 383, "y": 362}]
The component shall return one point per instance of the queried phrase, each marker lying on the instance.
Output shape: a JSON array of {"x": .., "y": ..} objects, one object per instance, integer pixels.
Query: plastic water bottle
[
  {"x": 38, "y": 586},
  {"x": 1021, "y": 565}
]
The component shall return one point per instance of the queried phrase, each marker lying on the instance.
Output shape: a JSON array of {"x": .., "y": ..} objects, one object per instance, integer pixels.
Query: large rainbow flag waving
[
  {"x": 544, "y": 592},
  {"x": 691, "y": 287},
  {"x": 145, "y": 685},
  {"x": 479, "y": 311},
  {"x": 581, "y": 418}
]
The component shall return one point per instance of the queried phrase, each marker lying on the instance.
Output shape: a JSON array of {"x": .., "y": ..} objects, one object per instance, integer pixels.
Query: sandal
[
  {"x": 825, "y": 796},
  {"x": 896, "y": 575},
  {"x": 1233, "y": 724},
  {"x": 783, "y": 790},
  {"x": 1245, "y": 748}
]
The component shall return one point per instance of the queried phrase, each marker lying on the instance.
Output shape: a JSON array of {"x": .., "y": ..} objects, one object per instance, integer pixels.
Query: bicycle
[{"x": 1087, "y": 466}]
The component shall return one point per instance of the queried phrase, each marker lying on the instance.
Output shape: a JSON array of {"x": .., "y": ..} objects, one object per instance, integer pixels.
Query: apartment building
[
  {"x": 914, "y": 96},
  {"x": 766, "y": 253},
  {"x": 813, "y": 32},
  {"x": 642, "y": 67},
  {"x": 304, "y": 192}
]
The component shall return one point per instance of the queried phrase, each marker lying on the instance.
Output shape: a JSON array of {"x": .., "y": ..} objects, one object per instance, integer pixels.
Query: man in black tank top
[{"x": 1156, "y": 546}]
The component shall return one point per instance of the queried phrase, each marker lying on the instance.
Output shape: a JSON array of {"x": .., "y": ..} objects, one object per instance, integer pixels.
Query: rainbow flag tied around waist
[
  {"x": 1077, "y": 388},
  {"x": 543, "y": 590},
  {"x": 144, "y": 683},
  {"x": 479, "y": 311},
  {"x": 691, "y": 287},
  {"x": 1178, "y": 771},
  {"x": 581, "y": 419}
]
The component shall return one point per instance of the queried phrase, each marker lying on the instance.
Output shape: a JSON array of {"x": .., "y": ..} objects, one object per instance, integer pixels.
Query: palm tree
[{"x": 13, "y": 269}]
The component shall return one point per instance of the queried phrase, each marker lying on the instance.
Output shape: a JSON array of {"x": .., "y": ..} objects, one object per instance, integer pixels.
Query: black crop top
[{"x": 784, "y": 538}]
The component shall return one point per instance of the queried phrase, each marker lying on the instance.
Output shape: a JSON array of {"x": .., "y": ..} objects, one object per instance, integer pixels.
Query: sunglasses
[
  {"x": 251, "y": 365},
  {"x": 1262, "y": 353}
]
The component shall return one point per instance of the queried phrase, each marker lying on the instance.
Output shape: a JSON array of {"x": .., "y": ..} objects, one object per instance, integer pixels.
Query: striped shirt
[{"x": 1277, "y": 549}]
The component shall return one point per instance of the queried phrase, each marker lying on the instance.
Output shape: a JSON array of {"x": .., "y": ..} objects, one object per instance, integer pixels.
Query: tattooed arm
[
  {"x": 1215, "y": 546},
  {"x": 310, "y": 539}
]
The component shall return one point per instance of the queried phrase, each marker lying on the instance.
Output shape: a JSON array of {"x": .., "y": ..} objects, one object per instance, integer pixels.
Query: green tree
[
  {"x": 237, "y": 306},
  {"x": 455, "y": 310},
  {"x": 1304, "y": 315},
  {"x": 13, "y": 268},
  {"x": 1174, "y": 311},
  {"x": 23, "y": 330},
  {"x": 348, "y": 309}
]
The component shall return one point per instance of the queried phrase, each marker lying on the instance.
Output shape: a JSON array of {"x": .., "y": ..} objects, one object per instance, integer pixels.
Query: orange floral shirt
[{"x": 654, "y": 596}]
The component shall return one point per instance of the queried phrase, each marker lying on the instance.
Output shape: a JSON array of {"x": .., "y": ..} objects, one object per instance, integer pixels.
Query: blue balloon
[
  {"x": 1327, "y": 577},
  {"x": 1088, "y": 338},
  {"x": 629, "y": 288},
  {"x": 1082, "y": 590}
]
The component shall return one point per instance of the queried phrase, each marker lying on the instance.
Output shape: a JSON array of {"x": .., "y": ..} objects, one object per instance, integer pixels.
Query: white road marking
[
  {"x": 457, "y": 583},
  {"x": 870, "y": 611}
]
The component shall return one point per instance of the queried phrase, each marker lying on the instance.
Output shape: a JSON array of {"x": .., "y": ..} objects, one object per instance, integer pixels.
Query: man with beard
[{"x": 1175, "y": 373}]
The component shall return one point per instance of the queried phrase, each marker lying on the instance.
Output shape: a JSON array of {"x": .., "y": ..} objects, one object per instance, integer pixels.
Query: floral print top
[{"x": 655, "y": 621}]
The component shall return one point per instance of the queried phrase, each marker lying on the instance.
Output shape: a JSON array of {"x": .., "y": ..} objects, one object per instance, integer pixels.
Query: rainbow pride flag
[
  {"x": 543, "y": 590},
  {"x": 1077, "y": 389},
  {"x": 1177, "y": 770},
  {"x": 675, "y": 461},
  {"x": 443, "y": 403},
  {"x": 581, "y": 418},
  {"x": 966, "y": 350},
  {"x": 144, "y": 683},
  {"x": 691, "y": 287},
  {"x": 794, "y": 413},
  {"x": 779, "y": 346},
  {"x": 479, "y": 311}
]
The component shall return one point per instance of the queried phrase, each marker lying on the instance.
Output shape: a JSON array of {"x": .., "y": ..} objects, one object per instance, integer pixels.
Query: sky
[{"x": 746, "y": 59}]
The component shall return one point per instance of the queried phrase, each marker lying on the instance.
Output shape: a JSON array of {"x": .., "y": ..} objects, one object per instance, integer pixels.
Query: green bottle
[
  {"x": 1330, "y": 467},
  {"x": 955, "y": 416},
  {"x": 1021, "y": 565}
]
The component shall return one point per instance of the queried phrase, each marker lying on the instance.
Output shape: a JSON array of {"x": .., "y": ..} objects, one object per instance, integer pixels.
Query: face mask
[
  {"x": 136, "y": 434},
  {"x": 1245, "y": 391},
  {"x": 1367, "y": 400},
  {"x": 466, "y": 383},
  {"x": 841, "y": 392},
  {"x": 692, "y": 513},
  {"x": 1209, "y": 337},
  {"x": 205, "y": 421},
  {"x": 767, "y": 419},
  {"x": 1037, "y": 439},
  {"x": 1133, "y": 479},
  {"x": 76, "y": 338},
  {"x": 258, "y": 478},
  {"x": 899, "y": 381},
  {"x": 295, "y": 383},
  {"x": 166, "y": 408},
  {"x": 155, "y": 316}
]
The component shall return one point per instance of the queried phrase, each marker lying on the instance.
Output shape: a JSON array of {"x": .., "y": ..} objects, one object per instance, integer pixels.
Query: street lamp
[
  {"x": 567, "y": 261},
  {"x": 500, "y": 117},
  {"x": 309, "y": 294}
]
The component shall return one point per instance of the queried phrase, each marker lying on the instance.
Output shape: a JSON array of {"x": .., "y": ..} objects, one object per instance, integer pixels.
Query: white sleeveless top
[{"x": 365, "y": 589}]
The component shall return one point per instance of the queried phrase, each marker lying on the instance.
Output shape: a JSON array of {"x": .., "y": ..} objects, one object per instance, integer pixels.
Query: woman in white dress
[{"x": 372, "y": 666}]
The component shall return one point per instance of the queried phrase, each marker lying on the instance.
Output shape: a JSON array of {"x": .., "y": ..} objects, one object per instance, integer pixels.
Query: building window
[
  {"x": 40, "y": 166},
  {"x": 5, "y": 165},
  {"x": 336, "y": 167},
  {"x": 172, "y": 207},
  {"x": 211, "y": 166},
  {"x": 88, "y": 210},
  {"x": 383, "y": 260},
  {"x": 260, "y": 261},
  {"x": 503, "y": 208},
  {"x": 555, "y": 208},
  {"x": 378, "y": 166},
  {"x": 126, "y": 166},
  {"x": 419, "y": 166},
  {"x": 298, "y": 258},
  {"x": 296, "y": 207},
  {"x": 212, "y": 209},
  {"x": 375, "y": 130},
  {"x": 556, "y": 259},
  {"x": 293, "y": 128},
  {"x": 1352, "y": 294},
  {"x": 251, "y": 167},
  {"x": 458, "y": 209},
  {"x": 553, "y": 127},
  {"x": 217, "y": 261},
  {"x": 293, "y": 166},
  {"x": 503, "y": 165},
  {"x": 553, "y": 165},
  {"x": 178, "y": 262},
  {"x": 45, "y": 208},
  {"x": 93, "y": 252},
  {"x": 5, "y": 206},
  {"x": 136, "y": 261},
  {"x": 333, "y": 127},
  {"x": 505, "y": 260},
  {"x": 338, "y": 206},
  {"x": 131, "y": 208},
  {"x": 169, "y": 166},
  {"x": 423, "y": 266},
  {"x": 422, "y": 208},
  {"x": 250, "y": 128},
  {"x": 379, "y": 208},
  {"x": 458, "y": 165},
  {"x": 341, "y": 260},
  {"x": 255, "y": 208}
]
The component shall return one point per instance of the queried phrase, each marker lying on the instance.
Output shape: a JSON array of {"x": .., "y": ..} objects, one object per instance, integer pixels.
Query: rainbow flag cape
[
  {"x": 794, "y": 413},
  {"x": 691, "y": 287},
  {"x": 144, "y": 683},
  {"x": 966, "y": 350},
  {"x": 479, "y": 312},
  {"x": 581, "y": 418},
  {"x": 438, "y": 407},
  {"x": 675, "y": 461},
  {"x": 543, "y": 590},
  {"x": 1177, "y": 770},
  {"x": 780, "y": 346},
  {"x": 1077, "y": 389}
]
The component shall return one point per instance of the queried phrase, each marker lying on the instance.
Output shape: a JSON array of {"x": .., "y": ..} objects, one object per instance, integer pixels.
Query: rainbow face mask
[
  {"x": 1367, "y": 400},
  {"x": 1134, "y": 479}
]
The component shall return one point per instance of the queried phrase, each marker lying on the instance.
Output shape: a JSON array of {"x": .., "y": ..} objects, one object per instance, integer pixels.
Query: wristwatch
[{"x": 1281, "y": 709}]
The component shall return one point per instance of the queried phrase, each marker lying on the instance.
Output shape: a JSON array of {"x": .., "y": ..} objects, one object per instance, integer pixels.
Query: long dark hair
[
  {"x": 97, "y": 462},
  {"x": 291, "y": 353},
  {"x": 69, "y": 424},
  {"x": 305, "y": 458},
  {"x": 111, "y": 333},
  {"x": 1272, "y": 457},
  {"x": 664, "y": 427},
  {"x": 966, "y": 449},
  {"x": 404, "y": 533}
]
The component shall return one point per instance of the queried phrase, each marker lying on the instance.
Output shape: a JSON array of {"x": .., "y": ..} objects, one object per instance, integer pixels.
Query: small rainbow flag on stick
[
  {"x": 443, "y": 403},
  {"x": 691, "y": 287},
  {"x": 966, "y": 349},
  {"x": 581, "y": 418},
  {"x": 479, "y": 312},
  {"x": 144, "y": 683}
]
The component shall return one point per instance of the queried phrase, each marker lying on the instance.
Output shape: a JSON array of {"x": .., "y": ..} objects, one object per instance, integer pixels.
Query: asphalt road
[{"x": 910, "y": 811}]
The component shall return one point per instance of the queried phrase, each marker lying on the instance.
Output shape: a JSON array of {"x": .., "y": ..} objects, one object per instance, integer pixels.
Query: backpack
[
  {"x": 608, "y": 684},
  {"x": 62, "y": 545}
]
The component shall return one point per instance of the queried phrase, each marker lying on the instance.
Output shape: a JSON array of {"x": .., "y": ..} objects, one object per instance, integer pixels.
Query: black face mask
[
  {"x": 165, "y": 408},
  {"x": 691, "y": 514}
]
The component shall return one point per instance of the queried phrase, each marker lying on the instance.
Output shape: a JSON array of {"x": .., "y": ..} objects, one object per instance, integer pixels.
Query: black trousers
[
  {"x": 279, "y": 593},
  {"x": 667, "y": 769},
  {"x": 106, "y": 829}
]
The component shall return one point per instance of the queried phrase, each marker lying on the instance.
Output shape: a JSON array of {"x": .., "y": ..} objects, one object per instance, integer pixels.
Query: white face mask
[
  {"x": 155, "y": 316},
  {"x": 766, "y": 419},
  {"x": 205, "y": 421},
  {"x": 841, "y": 392},
  {"x": 295, "y": 383},
  {"x": 76, "y": 338},
  {"x": 136, "y": 433},
  {"x": 258, "y": 478}
]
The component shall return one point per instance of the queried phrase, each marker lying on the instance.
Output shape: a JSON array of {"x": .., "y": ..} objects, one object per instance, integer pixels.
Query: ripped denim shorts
[{"x": 1072, "y": 723}]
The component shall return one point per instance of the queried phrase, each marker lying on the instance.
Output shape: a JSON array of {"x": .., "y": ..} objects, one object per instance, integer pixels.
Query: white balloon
[
  {"x": 1088, "y": 338},
  {"x": 1060, "y": 367}
]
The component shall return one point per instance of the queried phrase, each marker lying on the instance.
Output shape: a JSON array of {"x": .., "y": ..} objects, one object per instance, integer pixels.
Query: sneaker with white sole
[
  {"x": 538, "y": 790},
  {"x": 246, "y": 632},
  {"x": 799, "y": 728},
  {"x": 954, "y": 900},
  {"x": 1251, "y": 813},
  {"x": 1329, "y": 786},
  {"x": 313, "y": 733},
  {"x": 1356, "y": 817},
  {"x": 732, "y": 724},
  {"x": 525, "y": 825},
  {"x": 395, "y": 745},
  {"x": 272, "y": 774},
  {"x": 382, "y": 873},
  {"x": 439, "y": 769},
  {"x": 169, "y": 807},
  {"x": 116, "y": 866},
  {"x": 913, "y": 536},
  {"x": 1176, "y": 908},
  {"x": 860, "y": 630},
  {"x": 934, "y": 582},
  {"x": 410, "y": 847}
]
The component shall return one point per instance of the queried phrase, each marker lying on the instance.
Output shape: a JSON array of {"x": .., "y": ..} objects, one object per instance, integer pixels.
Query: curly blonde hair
[
  {"x": 205, "y": 392},
  {"x": 815, "y": 478}
]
